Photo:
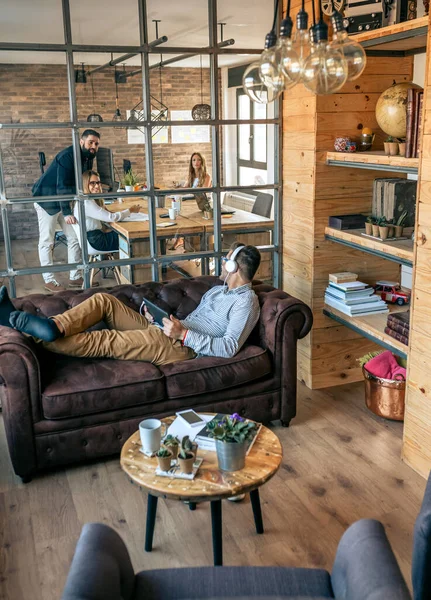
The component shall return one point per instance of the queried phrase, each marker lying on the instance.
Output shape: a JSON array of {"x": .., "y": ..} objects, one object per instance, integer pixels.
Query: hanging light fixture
[
  {"x": 322, "y": 67},
  {"x": 159, "y": 111},
  {"x": 117, "y": 115},
  {"x": 201, "y": 112},
  {"x": 81, "y": 75},
  {"x": 94, "y": 117}
]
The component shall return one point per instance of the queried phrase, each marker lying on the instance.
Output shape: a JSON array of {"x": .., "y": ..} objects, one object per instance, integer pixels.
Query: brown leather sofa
[{"x": 59, "y": 410}]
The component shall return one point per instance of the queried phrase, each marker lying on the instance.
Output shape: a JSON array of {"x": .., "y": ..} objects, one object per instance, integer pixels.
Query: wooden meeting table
[{"x": 134, "y": 236}]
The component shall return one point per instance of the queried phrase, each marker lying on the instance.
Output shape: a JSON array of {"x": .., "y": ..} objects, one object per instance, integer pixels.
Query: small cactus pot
[
  {"x": 398, "y": 231},
  {"x": 164, "y": 462},
  {"x": 186, "y": 464},
  {"x": 375, "y": 230},
  {"x": 369, "y": 228}
]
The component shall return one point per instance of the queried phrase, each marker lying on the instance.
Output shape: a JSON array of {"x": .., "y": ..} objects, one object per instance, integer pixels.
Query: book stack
[
  {"x": 398, "y": 326},
  {"x": 392, "y": 196},
  {"x": 354, "y": 298},
  {"x": 415, "y": 99}
]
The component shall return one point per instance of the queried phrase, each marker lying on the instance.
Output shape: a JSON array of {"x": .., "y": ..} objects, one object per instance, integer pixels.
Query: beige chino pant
[{"x": 129, "y": 337}]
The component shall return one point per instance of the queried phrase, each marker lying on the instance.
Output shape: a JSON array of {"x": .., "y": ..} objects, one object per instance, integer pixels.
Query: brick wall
[{"x": 32, "y": 93}]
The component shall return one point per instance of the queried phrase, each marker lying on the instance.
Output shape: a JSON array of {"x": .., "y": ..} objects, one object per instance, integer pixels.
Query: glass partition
[{"x": 46, "y": 107}]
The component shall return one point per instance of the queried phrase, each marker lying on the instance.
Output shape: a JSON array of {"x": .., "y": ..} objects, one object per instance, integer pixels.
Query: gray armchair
[{"x": 365, "y": 568}]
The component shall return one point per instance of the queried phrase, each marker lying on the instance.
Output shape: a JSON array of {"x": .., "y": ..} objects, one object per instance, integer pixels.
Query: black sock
[
  {"x": 6, "y": 306},
  {"x": 40, "y": 327}
]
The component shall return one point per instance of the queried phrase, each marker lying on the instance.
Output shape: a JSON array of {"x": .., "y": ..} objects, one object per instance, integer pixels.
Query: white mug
[
  {"x": 150, "y": 431},
  {"x": 176, "y": 204},
  {"x": 172, "y": 214}
]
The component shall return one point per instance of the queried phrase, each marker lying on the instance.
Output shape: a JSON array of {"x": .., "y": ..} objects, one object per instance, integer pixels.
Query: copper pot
[{"x": 384, "y": 397}]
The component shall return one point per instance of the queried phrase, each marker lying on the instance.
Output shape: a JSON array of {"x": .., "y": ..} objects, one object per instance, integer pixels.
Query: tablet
[{"x": 156, "y": 312}]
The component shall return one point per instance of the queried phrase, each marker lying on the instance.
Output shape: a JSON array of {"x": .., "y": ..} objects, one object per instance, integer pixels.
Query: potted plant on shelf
[
  {"x": 391, "y": 146},
  {"x": 129, "y": 181},
  {"x": 399, "y": 227},
  {"x": 232, "y": 435},
  {"x": 402, "y": 146},
  {"x": 164, "y": 457},
  {"x": 391, "y": 228},
  {"x": 375, "y": 226},
  {"x": 369, "y": 225},
  {"x": 172, "y": 443},
  {"x": 383, "y": 228},
  {"x": 186, "y": 456}
]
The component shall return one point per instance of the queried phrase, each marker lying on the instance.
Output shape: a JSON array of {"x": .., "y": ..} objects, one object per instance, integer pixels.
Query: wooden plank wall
[
  {"x": 417, "y": 424},
  {"x": 312, "y": 192}
]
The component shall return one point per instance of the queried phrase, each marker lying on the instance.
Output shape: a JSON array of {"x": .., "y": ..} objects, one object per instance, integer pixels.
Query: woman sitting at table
[
  {"x": 198, "y": 176},
  {"x": 99, "y": 237}
]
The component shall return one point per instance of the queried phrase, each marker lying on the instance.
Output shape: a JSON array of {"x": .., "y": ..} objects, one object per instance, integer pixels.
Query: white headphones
[{"x": 231, "y": 265}]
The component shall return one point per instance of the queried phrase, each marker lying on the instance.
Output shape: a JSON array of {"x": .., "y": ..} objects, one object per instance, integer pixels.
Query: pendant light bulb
[
  {"x": 302, "y": 38},
  {"x": 325, "y": 69},
  {"x": 353, "y": 52},
  {"x": 256, "y": 90},
  {"x": 287, "y": 55},
  {"x": 269, "y": 64}
]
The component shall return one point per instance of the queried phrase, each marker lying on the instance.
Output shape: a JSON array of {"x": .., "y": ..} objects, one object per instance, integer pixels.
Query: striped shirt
[{"x": 222, "y": 322}]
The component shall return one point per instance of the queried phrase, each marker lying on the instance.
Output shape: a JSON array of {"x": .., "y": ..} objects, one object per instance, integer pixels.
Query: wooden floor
[
  {"x": 341, "y": 463},
  {"x": 25, "y": 255}
]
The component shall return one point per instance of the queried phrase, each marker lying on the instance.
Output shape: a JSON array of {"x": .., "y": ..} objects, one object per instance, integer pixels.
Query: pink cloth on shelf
[{"x": 385, "y": 365}]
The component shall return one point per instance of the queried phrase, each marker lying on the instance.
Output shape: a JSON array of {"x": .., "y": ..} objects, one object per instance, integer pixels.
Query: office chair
[
  {"x": 94, "y": 254},
  {"x": 262, "y": 205}
]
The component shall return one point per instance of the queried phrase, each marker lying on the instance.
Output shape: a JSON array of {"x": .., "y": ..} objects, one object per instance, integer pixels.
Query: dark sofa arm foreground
[
  {"x": 59, "y": 410},
  {"x": 365, "y": 568}
]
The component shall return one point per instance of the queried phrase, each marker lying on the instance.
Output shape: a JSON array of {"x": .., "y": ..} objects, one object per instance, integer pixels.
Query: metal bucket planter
[
  {"x": 230, "y": 456},
  {"x": 384, "y": 397}
]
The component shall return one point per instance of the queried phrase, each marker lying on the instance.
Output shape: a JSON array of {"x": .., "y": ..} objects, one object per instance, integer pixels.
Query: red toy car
[{"x": 391, "y": 291}]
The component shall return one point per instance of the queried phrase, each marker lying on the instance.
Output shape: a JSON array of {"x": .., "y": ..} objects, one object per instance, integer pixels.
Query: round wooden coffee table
[{"x": 209, "y": 485}]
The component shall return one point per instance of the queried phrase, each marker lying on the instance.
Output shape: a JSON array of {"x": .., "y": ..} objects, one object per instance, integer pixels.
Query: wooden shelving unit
[
  {"x": 372, "y": 327},
  {"x": 375, "y": 160},
  {"x": 406, "y": 38},
  {"x": 400, "y": 252}
]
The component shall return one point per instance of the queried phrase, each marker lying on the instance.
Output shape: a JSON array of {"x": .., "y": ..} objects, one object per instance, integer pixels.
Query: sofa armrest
[
  {"x": 20, "y": 391},
  {"x": 283, "y": 321},
  {"x": 278, "y": 311},
  {"x": 101, "y": 568},
  {"x": 365, "y": 567}
]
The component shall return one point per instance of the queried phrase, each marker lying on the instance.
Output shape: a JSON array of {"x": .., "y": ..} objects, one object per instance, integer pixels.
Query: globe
[{"x": 391, "y": 109}]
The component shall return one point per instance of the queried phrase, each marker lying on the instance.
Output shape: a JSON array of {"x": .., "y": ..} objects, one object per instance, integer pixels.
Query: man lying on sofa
[{"x": 219, "y": 325}]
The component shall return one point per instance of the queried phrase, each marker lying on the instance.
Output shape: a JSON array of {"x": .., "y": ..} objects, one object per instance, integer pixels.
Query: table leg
[
  {"x": 216, "y": 523},
  {"x": 151, "y": 520},
  {"x": 257, "y": 512}
]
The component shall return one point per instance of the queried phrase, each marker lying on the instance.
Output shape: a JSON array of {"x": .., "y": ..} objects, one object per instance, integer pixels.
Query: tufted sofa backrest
[{"x": 180, "y": 296}]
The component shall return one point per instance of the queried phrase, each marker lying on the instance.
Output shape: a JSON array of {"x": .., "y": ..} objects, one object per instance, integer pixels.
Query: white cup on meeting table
[
  {"x": 176, "y": 204},
  {"x": 151, "y": 432},
  {"x": 172, "y": 214}
]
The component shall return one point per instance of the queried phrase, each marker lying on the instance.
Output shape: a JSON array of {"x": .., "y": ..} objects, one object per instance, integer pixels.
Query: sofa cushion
[
  {"x": 83, "y": 386},
  {"x": 231, "y": 582},
  {"x": 208, "y": 374}
]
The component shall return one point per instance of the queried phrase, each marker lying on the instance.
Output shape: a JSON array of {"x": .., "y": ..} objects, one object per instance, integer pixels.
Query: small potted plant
[
  {"x": 186, "y": 456},
  {"x": 399, "y": 227},
  {"x": 391, "y": 146},
  {"x": 172, "y": 443},
  {"x": 232, "y": 435},
  {"x": 369, "y": 225},
  {"x": 164, "y": 457},
  {"x": 129, "y": 181},
  {"x": 391, "y": 228},
  {"x": 375, "y": 226},
  {"x": 383, "y": 228},
  {"x": 402, "y": 146}
]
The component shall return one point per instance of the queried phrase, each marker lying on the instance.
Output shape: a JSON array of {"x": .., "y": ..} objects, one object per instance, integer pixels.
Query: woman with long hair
[
  {"x": 96, "y": 215},
  {"x": 198, "y": 175}
]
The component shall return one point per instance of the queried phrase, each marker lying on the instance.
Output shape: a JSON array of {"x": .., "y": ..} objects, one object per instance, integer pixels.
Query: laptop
[{"x": 201, "y": 200}]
